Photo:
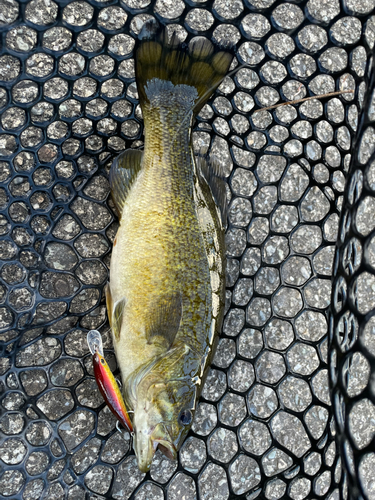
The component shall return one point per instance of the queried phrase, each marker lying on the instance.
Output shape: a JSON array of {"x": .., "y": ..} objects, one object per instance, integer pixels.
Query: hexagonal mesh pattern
[
  {"x": 264, "y": 427},
  {"x": 353, "y": 307}
]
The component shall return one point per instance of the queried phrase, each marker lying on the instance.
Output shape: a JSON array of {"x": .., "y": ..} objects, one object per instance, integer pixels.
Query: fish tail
[{"x": 162, "y": 63}]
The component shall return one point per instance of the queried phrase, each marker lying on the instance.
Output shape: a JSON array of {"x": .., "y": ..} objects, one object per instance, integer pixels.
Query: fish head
[{"x": 162, "y": 418}]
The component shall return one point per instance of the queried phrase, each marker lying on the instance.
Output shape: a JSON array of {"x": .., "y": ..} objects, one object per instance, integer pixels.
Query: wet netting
[{"x": 264, "y": 427}]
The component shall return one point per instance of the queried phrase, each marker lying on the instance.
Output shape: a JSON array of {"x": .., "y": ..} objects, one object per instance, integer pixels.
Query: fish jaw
[
  {"x": 146, "y": 441},
  {"x": 144, "y": 449}
]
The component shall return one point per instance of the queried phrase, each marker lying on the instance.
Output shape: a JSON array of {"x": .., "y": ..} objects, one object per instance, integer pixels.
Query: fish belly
[{"x": 158, "y": 251}]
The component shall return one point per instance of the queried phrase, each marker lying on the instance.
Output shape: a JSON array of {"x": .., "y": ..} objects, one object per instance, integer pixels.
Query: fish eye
[{"x": 185, "y": 417}]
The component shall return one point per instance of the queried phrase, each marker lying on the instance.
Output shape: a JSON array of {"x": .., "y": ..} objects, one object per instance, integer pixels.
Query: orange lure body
[{"x": 110, "y": 390}]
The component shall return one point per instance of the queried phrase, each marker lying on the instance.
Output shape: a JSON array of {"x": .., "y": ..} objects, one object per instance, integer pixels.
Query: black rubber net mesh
[
  {"x": 264, "y": 427},
  {"x": 352, "y": 324}
]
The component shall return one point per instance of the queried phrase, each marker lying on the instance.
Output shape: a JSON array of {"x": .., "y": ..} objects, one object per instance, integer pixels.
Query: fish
[{"x": 166, "y": 293}]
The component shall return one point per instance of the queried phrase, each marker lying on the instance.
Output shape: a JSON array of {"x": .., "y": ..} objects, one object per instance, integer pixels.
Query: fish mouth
[
  {"x": 168, "y": 449},
  {"x": 145, "y": 446},
  {"x": 145, "y": 451}
]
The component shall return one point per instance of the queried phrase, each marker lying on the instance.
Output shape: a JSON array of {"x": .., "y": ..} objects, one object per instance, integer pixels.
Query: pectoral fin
[
  {"x": 118, "y": 311},
  {"x": 108, "y": 299},
  {"x": 167, "y": 319},
  {"x": 115, "y": 311},
  {"x": 124, "y": 171}
]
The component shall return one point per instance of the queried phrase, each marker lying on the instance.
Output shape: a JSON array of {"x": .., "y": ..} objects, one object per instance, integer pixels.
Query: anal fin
[
  {"x": 124, "y": 171},
  {"x": 167, "y": 319}
]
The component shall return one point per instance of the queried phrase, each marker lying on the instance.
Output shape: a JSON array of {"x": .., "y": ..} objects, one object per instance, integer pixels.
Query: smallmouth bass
[{"x": 165, "y": 298}]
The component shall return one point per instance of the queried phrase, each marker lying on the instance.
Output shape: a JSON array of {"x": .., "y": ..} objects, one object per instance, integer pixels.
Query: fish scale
[
  {"x": 166, "y": 291},
  {"x": 168, "y": 224}
]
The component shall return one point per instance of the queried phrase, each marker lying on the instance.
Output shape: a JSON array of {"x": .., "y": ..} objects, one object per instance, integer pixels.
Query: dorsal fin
[
  {"x": 123, "y": 172},
  {"x": 166, "y": 321},
  {"x": 209, "y": 168}
]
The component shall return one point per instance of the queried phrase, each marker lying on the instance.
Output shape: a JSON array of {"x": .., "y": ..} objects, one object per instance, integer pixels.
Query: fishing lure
[{"x": 106, "y": 381}]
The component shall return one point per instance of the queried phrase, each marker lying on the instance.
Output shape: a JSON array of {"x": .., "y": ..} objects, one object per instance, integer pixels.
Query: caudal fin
[{"x": 161, "y": 61}]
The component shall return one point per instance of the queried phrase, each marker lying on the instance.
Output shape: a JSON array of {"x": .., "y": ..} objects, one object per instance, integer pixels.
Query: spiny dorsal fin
[
  {"x": 118, "y": 311},
  {"x": 210, "y": 170},
  {"x": 123, "y": 172},
  {"x": 167, "y": 319}
]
